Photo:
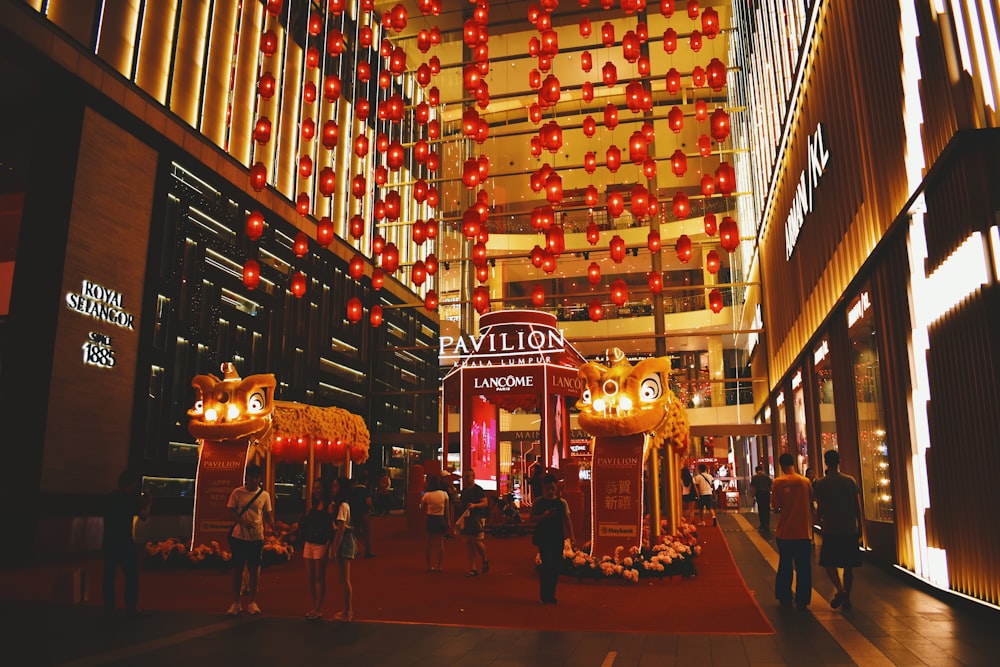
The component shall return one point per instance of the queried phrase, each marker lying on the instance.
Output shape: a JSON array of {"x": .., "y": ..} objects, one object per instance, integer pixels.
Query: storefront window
[
  {"x": 876, "y": 488},
  {"x": 824, "y": 396},
  {"x": 799, "y": 415}
]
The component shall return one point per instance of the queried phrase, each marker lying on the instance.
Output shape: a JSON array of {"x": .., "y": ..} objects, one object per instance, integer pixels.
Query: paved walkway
[{"x": 893, "y": 622}]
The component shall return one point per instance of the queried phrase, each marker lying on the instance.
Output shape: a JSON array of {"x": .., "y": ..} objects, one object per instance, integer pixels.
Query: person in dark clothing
[
  {"x": 121, "y": 507},
  {"x": 361, "y": 511},
  {"x": 760, "y": 486},
  {"x": 535, "y": 482},
  {"x": 551, "y": 531}
]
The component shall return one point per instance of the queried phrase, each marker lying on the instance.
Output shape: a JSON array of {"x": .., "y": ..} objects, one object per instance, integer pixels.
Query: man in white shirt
[
  {"x": 704, "y": 486},
  {"x": 252, "y": 514}
]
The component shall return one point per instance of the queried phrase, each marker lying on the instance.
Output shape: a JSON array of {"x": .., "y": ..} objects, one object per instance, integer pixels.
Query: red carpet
[{"x": 395, "y": 586}]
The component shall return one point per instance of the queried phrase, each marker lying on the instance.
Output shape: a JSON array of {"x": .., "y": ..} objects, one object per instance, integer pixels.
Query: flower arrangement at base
[
  {"x": 674, "y": 556},
  {"x": 173, "y": 553}
]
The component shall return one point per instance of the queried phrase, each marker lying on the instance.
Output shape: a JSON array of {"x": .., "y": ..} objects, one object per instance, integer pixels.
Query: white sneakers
[
  {"x": 253, "y": 609},
  {"x": 235, "y": 609}
]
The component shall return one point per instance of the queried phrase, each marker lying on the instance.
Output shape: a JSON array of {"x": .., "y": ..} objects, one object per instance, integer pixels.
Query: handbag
[{"x": 232, "y": 528}]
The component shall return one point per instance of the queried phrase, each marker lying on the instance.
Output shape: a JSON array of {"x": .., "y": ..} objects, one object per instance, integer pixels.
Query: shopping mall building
[{"x": 796, "y": 200}]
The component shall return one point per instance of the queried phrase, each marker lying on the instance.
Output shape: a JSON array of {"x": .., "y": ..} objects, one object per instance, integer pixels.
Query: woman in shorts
[
  {"x": 316, "y": 535},
  {"x": 436, "y": 504}
]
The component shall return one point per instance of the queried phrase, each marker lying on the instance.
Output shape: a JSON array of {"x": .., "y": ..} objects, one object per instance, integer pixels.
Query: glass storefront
[
  {"x": 824, "y": 397},
  {"x": 779, "y": 403},
  {"x": 876, "y": 489}
]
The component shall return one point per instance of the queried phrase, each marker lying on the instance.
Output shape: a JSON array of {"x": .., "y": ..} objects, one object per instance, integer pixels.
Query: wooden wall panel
[{"x": 90, "y": 407}]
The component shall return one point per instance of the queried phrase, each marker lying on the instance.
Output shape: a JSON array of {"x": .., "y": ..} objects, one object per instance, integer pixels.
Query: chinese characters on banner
[
  {"x": 616, "y": 499},
  {"x": 220, "y": 470}
]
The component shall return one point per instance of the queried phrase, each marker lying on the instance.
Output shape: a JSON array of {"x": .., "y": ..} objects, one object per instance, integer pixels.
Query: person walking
[
  {"x": 361, "y": 512},
  {"x": 553, "y": 528},
  {"x": 760, "y": 487},
  {"x": 792, "y": 497},
  {"x": 316, "y": 535},
  {"x": 252, "y": 514},
  {"x": 704, "y": 485},
  {"x": 121, "y": 508},
  {"x": 436, "y": 505},
  {"x": 475, "y": 505},
  {"x": 838, "y": 511},
  {"x": 344, "y": 547},
  {"x": 383, "y": 493},
  {"x": 689, "y": 496}
]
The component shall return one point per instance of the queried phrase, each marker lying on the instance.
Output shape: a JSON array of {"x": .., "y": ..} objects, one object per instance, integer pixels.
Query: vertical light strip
[
  {"x": 982, "y": 65},
  {"x": 992, "y": 54},
  {"x": 963, "y": 46},
  {"x": 995, "y": 247}
]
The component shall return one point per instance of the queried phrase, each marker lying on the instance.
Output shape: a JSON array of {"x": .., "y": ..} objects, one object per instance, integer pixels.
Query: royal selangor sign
[{"x": 105, "y": 306}]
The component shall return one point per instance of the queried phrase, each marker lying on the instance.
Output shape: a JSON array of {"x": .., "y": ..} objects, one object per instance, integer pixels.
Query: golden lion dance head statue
[
  {"x": 621, "y": 399},
  {"x": 231, "y": 408}
]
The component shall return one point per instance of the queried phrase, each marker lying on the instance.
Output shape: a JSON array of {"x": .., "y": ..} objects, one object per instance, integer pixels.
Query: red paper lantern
[
  {"x": 608, "y": 34},
  {"x": 302, "y": 203},
  {"x": 595, "y": 310},
  {"x": 586, "y": 61},
  {"x": 354, "y": 309},
  {"x": 378, "y": 244},
  {"x": 649, "y": 168},
  {"x": 359, "y": 186},
  {"x": 678, "y": 163},
  {"x": 715, "y": 301},
  {"x": 266, "y": 86},
  {"x": 390, "y": 258},
  {"x": 655, "y": 279},
  {"x": 269, "y": 43},
  {"x": 639, "y": 200},
  {"x": 653, "y": 241},
  {"x": 431, "y": 300},
  {"x": 431, "y": 264},
  {"x": 481, "y": 299},
  {"x": 675, "y": 119},
  {"x": 418, "y": 273},
  {"x": 591, "y": 198},
  {"x": 710, "y": 23},
  {"x": 630, "y": 46},
  {"x": 710, "y": 225},
  {"x": 262, "y": 130},
  {"x": 378, "y": 278},
  {"x": 375, "y": 317},
  {"x": 585, "y": 28},
  {"x": 669, "y": 40},
  {"x": 609, "y": 74},
  {"x": 356, "y": 226},
  {"x": 642, "y": 67},
  {"x": 673, "y": 81},
  {"x": 432, "y": 228},
  {"x": 616, "y": 204},
  {"x": 593, "y": 232},
  {"x": 331, "y": 131},
  {"x": 419, "y": 232},
  {"x": 587, "y": 91},
  {"x": 617, "y": 248},
  {"x": 695, "y": 41},
  {"x": 619, "y": 292},
  {"x": 704, "y": 145},
  {"x": 707, "y": 185},
  {"x": 324, "y": 231},
  {"x": 720, "y": 125},
  {"x": 713, "y": 262},
  {"x": 251, "y": 274},
  {"x": 594, "y": 273},
  {"x": 613, "y": 159},
  {"x": 692, "y": 9},
  {"x": 684, "y": 248},
  {"x": 254, "y": 225},
  {"x": 589, "y": 126},
  {"x": 301, "y": 245},
  {"x": 637, "y": 147},
  {"x": 258, "y": 176},
  {"x": 356, "y": 267},
  {"x": 538, "y": 295},
  {"x": 537, "y": 256},
  {"x": 682, "y": 206},
  {"x": 716, "y": 73},
  {"x": 610, "y": 116},
  {"x": 298, "y": 284},
  {"x": 729, "y": 234}
]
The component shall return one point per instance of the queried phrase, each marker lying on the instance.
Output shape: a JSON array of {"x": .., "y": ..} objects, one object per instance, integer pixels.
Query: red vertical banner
[
  {"x": 220, "y": 470},
  {"x": 616, "y": 493},
  {"x": 483, "y": 442}
]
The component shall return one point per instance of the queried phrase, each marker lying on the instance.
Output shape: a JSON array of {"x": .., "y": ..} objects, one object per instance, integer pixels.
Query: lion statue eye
[
  {"x": 256, "y": 402},
  {"x": 585, "y": 396},
  {"x": 650, "y": 389},
  {"x": 199, "y": 405}
]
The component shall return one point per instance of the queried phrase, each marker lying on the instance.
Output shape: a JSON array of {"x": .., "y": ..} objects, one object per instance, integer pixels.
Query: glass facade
[
  {"x": 876, "y": 488},
  {"x": 823, "y": 374}
]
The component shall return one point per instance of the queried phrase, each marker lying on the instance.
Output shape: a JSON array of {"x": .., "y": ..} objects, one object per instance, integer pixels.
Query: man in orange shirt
[{"x": 792, "y": 497}]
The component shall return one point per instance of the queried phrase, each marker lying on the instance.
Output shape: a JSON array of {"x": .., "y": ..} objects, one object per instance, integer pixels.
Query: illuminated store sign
[
  {"x": 858, "y": 309},
  {"x": 100, "y": 303},
  {"x": 505, "y": 348},
  {"x": 97, "y": 351},
  {"x": 819, "y": 354},
  {"x": 802, "y": 205},
  {"x": 504, "y": 382},
  {"x": 797, "y": 380}
]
